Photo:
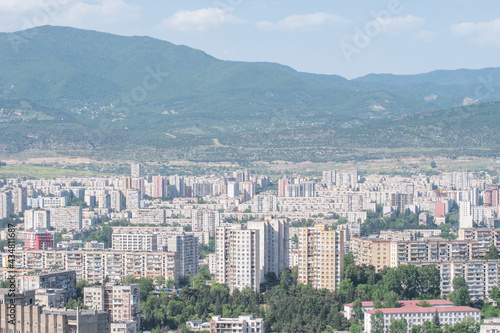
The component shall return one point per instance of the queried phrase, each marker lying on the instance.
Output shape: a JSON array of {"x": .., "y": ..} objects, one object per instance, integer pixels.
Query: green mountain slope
[{"x": 92, "y": 93}]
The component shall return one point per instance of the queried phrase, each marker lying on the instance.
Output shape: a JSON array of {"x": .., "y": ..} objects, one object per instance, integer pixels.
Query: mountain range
[{"x": 89, "y": 93}]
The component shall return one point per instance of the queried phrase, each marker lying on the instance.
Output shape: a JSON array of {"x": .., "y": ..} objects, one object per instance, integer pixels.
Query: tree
[
  {"x": 357, "y": 308},
  {"x": 492, "y": 253},
  {"x": 390, "y": 300},
  {"x": 145, "y": 286},
  {"x": 435, "y": 319},
  {"x": 460, "y": 295},
  {"x": 160, "y": 280},
  {"x": 398, "y": 326},
  {"x": 433, "y": 165},
  {"x": 377, "y": 322},
  {"x": 355, "y": 328},
  {"x": 170, "y": 283},
  {"x": 495, "y": 293}
]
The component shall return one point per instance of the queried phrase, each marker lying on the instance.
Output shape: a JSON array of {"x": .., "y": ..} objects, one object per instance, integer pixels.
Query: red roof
[
  {"x": 420, "y": 309},
  {"x": 402, "y": 304}
]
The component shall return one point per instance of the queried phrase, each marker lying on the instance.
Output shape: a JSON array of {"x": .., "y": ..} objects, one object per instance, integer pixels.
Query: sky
[{"x": 347, "y": 38}]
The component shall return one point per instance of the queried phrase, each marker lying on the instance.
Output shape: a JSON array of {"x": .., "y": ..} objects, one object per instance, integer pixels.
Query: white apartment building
[
  {"x": 205, "y": 220},
  {"x": 6, "y": 207},
  {"x": 99, "y": 265},
  {"x": 148, "y": 216},
  {"x": 69, "y": 218},
  {"x": 134, "y": 242},
  {"x": 465, "y": 215},
  {"x": 238, "y": 257},
  {"x": 274, "y": 243},
  {"x": 480, "y": 275},
  {"x": 187, "y": 247},
  {"x": 36, "y": 219}
]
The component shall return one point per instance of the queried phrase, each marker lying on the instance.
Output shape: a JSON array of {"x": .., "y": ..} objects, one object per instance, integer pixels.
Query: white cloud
[
  {"x": 482, "y": 33},
  {"x": 201, "y": 19},
  {"x": 396, "y": 24},
  {"x": 427, "y": 36},
  {"x": 18, "y": 15},
  {"x": 303, "y": 22}
]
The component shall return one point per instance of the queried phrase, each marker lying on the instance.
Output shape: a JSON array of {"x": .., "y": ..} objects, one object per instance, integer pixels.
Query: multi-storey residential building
[
  {"x": 136, "y": 170},
  {"x": 65, "y": 280},
  {"x": 274, "y": 245},
  {"x": 19, "y": 199},
  {"x": 6, "y": 208},
  {"x": 38, "y": 240},
  {"x": 248, "y": 190},
  {"x": 238, "y": 257},
  {"x": 39, "y": 319},
  {"x": 69, "y": 218},
  {"x": 489, "y": 236},
  {"x": 116, "y": 200},
  {"x": 187, "y": 247},
  {"x": 321, "y": 257},
  {"x": 148, "y": 216},
  {"x": 233, "y": 189},
  {"x": 465, "y": 214},
  {"x": 205, "y": 220},
  {"x": 383, "y": 253},
  {"x": 247, "y": 324},
  {"x": 134, "y": 242},
  {"x": 48, "y": 202},
  {"x": 36, "y": 219},
  {"x": 371, "y": 252},
  {"x": 480, "y": 275},
  {"x": 160, "y": 188},
  {"x": 97, "y": 266},
  {"x": 133, "y": 199},
  {"x": 122, "y": 301}
]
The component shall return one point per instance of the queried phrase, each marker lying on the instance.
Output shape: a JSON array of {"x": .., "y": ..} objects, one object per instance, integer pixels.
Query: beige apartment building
[
  {"x": 321, "y": 257},
  {"x": 96, "y": 266},
  {"x": 122, "y": 301}
]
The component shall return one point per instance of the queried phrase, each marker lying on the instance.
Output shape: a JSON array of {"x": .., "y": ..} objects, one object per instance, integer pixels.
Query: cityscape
[{"x": 98, "y": 253}]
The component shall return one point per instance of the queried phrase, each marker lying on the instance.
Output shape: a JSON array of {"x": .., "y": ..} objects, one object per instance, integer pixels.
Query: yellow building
[{"x": 320, "y": 257}]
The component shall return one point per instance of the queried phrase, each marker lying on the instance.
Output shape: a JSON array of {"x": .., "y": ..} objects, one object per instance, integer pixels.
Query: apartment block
[
  {"x": 205, "y": 220},
  {"x": 238, "y": 257},
  {"x": 38, "y": 319},
  {"x": 96, "y": 266},
  {"x": 36, "y": 219},
  {"x": 69, "y": 218},
  {"x": 321, "y": 257},
  {"x": 371, "y": 252},
  {"x": 384, "y": 253},
  {"x": 65, "y": 280},
  {"x": 480, "y": 275},
  {"x": 122, "y": 301},
  {"x": 187, "y": 247},
  {"x": 274, "y": 243},
  {"x": 6, "y": 208},
  {"x": 148, "y": 216},
  {"x": 134, "y": 242}
]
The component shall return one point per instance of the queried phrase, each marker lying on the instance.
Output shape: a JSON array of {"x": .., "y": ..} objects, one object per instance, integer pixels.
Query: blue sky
[{"x": 348, "y": 38}]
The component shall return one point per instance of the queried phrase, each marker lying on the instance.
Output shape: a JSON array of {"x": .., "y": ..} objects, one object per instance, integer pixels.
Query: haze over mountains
[{"x": 90, "y": 93}]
